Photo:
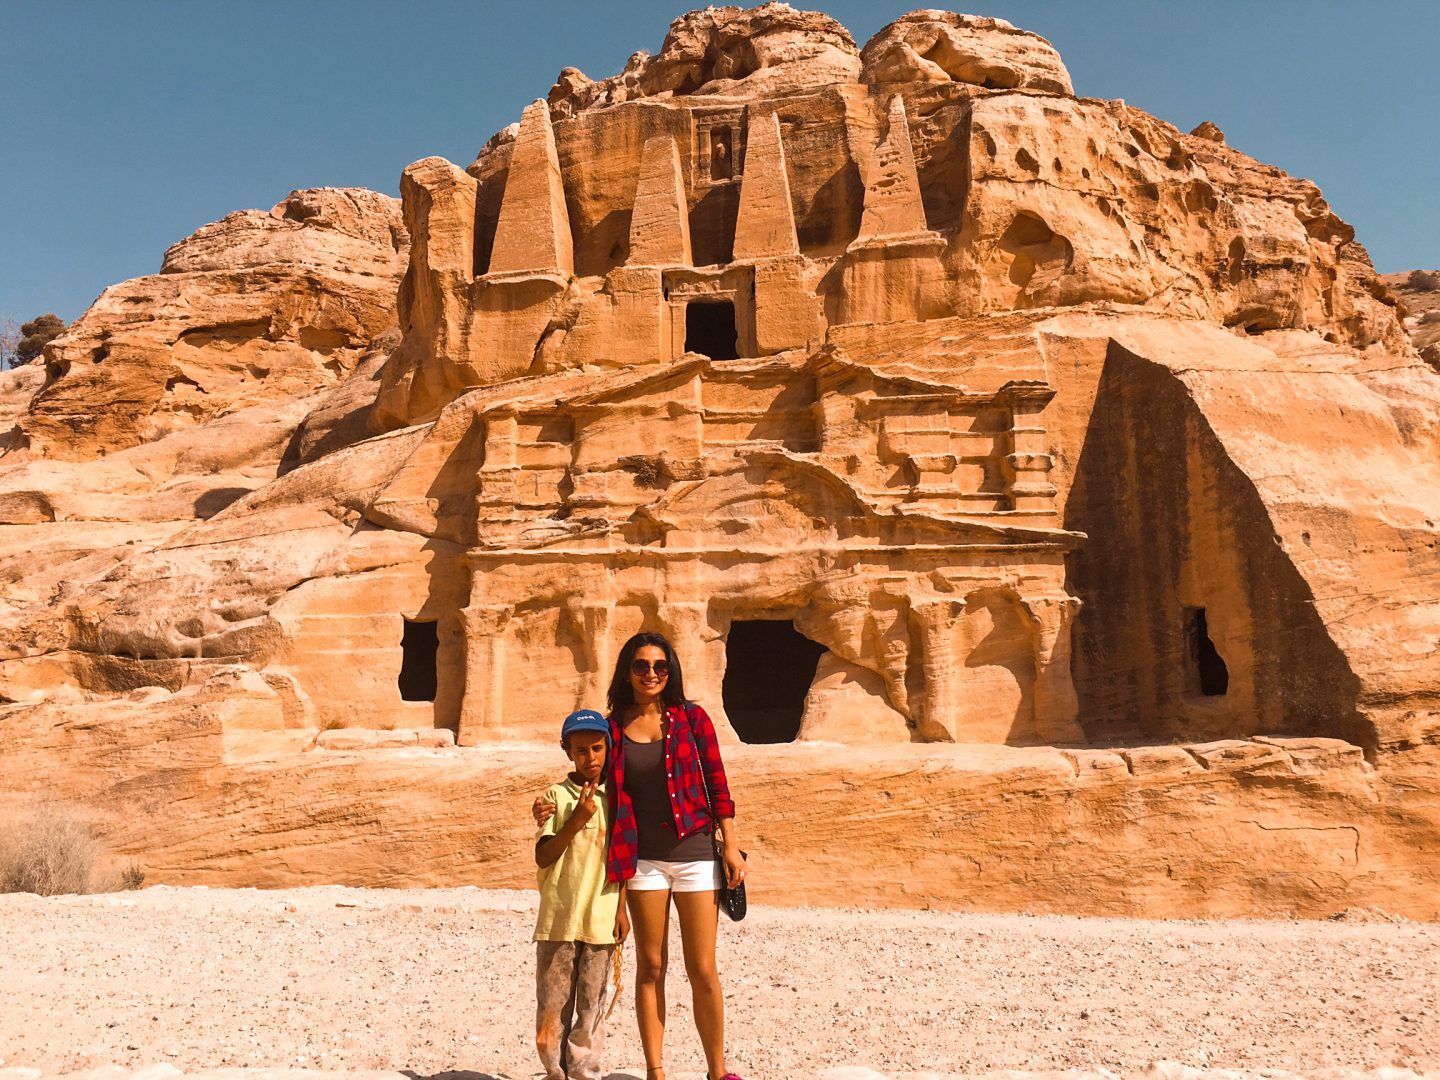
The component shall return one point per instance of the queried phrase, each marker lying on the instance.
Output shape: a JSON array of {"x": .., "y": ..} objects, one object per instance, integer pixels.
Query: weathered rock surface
[
  {"x": 258, "y": 308},
  {"x": 938, "y": 403},
  {"x": 724, "y": 52},
  {"x": 1282, "y": 825},
  {"x": 944, "y": 47}
]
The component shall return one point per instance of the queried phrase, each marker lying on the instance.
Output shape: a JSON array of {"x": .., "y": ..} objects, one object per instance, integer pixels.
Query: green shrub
[{"x": 36, "y": 334}]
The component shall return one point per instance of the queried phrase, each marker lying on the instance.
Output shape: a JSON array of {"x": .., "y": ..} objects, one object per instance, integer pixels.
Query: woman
[{"x": 665, "y": 753}]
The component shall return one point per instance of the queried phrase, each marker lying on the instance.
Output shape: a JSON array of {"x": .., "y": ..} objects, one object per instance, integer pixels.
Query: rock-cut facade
[{"x": 1045, "y": 451}]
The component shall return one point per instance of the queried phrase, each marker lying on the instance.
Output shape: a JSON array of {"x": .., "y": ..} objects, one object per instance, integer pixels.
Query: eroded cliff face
[
  {"x": 255, "y": 348},
  {"x": 260, "y": 308},
  {"x": 940, "y": 403}
]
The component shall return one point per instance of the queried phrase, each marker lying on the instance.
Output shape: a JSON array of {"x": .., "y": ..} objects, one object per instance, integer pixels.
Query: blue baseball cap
[{"x": 583, "y": 720}]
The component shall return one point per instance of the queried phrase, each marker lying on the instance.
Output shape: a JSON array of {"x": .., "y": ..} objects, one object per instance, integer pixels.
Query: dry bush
[
  {"x": 1424, "y": 280},
  {"x": 132, "y": 877},
  {"x": 47, "y": 851},
  {"x": 648, "y": 471}
]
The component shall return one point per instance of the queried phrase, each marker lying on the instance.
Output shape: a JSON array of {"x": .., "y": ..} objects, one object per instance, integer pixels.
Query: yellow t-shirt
[{"x": 576, "y": 902}]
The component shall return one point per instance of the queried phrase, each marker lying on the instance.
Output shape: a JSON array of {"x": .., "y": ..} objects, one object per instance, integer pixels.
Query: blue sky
[{"x": 127, "y": 125}]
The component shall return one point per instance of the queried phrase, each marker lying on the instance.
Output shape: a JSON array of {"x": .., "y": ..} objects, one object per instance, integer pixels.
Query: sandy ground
[{"x": 442, "y": 980}]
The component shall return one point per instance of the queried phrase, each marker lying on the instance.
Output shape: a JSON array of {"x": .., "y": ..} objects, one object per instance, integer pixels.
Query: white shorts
[{"x": 654, "y": 875}]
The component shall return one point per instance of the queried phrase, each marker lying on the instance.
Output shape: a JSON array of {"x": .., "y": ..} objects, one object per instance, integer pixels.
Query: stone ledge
[
  {"x": 374, "y": 739},
  {"x": 1262, "y": 754}
]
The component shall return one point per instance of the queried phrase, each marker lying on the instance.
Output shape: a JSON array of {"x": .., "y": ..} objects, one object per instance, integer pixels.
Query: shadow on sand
[{"x": 465, "y": 1074}]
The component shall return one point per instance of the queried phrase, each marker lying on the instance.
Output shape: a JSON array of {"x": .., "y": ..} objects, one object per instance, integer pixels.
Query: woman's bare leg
[
  {"x": 699, "y": 914},
  {"x": 650, "y": 924}
]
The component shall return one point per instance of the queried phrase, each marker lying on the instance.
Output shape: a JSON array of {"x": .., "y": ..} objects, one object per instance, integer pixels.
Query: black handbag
[{"x": 732, "y": 901}]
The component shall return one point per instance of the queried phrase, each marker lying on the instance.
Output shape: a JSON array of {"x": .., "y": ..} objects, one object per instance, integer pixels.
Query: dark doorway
[
  {"x": 769, "y": 667},
  {"x": 419, "y": 645},
  {"x": 1214, "y": 676},
  {"x": 710, "y": 329}
]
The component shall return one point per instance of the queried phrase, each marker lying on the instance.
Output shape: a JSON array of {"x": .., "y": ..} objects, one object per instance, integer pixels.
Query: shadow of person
[{"x": 465, "y": 1074}]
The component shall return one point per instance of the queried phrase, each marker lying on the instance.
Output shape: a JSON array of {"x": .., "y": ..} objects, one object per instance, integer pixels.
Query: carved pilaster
[
  {"x": 484, "y": 630},
  {"x": 1056, "y": 706},
  {"x": 1029, "y": 461},
  {"x": 935, "y": 623},
  {"x": 499, "y": 475},
  {"x": 889, "y": 617}
]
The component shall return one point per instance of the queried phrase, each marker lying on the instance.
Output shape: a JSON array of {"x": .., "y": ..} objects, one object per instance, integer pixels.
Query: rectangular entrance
[
  {"x": 710, "y": 329},
  {"x": 418, "y": 648}
]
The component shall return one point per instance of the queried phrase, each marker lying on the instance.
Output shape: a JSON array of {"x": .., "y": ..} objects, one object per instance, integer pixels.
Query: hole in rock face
[
  {"x": 317, "y": 337},
  {"x": 710, "y": 329},
  {"x": 1200, "y": 198},
  {"x": 1040, "y": 255},
  {"x": 1208, "y": 665},
  {"x": 722, "y": 154},
  {"x": 769, "y": 667},
  {"x": 419, "y": 645}
]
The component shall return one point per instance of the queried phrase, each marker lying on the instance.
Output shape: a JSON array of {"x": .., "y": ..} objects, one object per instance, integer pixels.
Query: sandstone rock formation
[
  {"x": 1418, "y": 292},
  {"x": 259, "y": 308},
  {"x": 920, "y": 400},
  {"x": 944, "y": 47}
]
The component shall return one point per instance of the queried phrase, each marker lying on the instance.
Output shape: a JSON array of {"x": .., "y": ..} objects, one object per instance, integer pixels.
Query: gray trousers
[{"x": 572, "y": 983}]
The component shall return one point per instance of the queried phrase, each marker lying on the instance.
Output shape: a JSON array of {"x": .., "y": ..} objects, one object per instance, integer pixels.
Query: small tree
[{"x": 36, "y": 334}]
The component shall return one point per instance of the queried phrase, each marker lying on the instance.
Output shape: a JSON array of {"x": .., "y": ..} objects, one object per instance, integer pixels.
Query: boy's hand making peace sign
[
  {"x": 550, "y": 848},
  {"x": 586, "y": 807}
]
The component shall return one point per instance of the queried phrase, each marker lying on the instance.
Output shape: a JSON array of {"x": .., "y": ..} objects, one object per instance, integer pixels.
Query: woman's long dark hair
[{"x": 621, "y": 696}]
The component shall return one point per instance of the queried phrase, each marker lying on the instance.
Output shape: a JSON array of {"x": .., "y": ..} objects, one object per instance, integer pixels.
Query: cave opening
[
  {"x": 769, "y": 666},
  {"x": 1208, "y": 666}
]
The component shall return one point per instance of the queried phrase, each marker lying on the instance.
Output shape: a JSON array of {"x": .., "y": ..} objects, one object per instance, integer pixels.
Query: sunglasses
[{"x": 641, "y": 668}]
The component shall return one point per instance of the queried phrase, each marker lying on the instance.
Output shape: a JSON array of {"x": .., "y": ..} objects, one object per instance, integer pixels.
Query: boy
[{"x": 582, "y": 916}]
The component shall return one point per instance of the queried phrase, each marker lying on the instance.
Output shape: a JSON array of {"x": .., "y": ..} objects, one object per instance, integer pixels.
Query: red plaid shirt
[{"x": 690, "y": 747}]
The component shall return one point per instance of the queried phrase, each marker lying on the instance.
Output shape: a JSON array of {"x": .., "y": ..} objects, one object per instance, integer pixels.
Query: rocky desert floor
[{"x": 427, "y": 982}]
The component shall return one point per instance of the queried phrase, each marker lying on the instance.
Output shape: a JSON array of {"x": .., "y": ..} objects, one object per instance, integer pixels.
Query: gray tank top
[{"x": 654, "y": 819}]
